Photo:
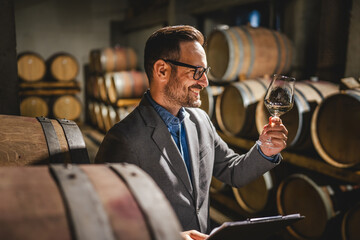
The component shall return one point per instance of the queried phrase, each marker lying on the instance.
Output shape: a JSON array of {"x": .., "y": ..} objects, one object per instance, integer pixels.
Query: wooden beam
[
  {"x": 9, "y": 99},
  {"x": 149, "y": 19},
  {"x": 198, "y": 8}
]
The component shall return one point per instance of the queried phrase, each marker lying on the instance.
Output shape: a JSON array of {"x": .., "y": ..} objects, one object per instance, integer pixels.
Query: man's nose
[{"x": 203, "y": 81}]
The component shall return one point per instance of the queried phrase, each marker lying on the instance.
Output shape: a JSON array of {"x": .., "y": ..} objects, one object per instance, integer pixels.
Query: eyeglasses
[{"x": 199, "y": 70}]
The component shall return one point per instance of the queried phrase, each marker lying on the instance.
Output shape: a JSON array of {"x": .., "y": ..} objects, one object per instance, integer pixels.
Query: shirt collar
[{"x": 165, "y": 115}]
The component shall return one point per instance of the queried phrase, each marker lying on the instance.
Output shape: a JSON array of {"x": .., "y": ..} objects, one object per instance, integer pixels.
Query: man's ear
[{"x": 162, "y": 70}]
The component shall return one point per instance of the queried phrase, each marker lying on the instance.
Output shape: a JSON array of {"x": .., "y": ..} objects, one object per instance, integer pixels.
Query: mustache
[{"x": 196, "y": 86}]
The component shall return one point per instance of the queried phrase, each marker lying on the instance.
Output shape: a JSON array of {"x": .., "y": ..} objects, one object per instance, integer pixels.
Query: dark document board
[{"x": 253, "y": 228}]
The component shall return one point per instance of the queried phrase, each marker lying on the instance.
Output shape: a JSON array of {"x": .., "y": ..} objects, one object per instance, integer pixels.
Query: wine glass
[{"x": 279, "y": 99}]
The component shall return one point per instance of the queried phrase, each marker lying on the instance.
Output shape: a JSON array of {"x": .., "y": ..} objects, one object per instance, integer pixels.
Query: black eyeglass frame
[{"x": 176, "y": 63}]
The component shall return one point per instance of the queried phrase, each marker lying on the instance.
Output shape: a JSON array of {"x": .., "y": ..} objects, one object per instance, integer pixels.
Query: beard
[{"x": 181, "y": 95}]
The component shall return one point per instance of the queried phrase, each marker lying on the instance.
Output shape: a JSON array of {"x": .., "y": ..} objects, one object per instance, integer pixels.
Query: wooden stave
[
  {"x": 91, "y": 111},
  {"x": 103, "y": 96},
  {"x": 104, "y": 112},
  {"x": 44, "y": 200},
  {"x": 99, "y": 120}
]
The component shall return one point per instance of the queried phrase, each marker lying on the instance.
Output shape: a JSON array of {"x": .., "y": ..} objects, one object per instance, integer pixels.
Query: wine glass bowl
[{"x": 279, "y": 98}]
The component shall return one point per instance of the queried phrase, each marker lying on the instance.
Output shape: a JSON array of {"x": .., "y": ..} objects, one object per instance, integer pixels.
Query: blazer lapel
[
  {"x": 193, "y": 146},
  {"x": 171, "y": 153}
]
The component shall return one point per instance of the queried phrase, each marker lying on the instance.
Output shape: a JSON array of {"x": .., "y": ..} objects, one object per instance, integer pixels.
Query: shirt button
[{"x": 197, "y": 211}]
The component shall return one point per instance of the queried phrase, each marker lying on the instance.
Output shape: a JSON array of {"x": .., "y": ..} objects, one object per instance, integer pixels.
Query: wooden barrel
[
  {"x": 320, "y": 203},
  {"x": 28, "y": 141},
  {"x": 84, "y": 202},
  {"x": 62, "y": 67},
  {"x": 125, "y": 84},
  {"x": 216, "y": 185},
  {"x": 335, "y": 129},
  {"x": 95, "y": 88},
  {"x": 247, "y": 52},
  {"x": 256, "y": 196},
  {"x": 113, "y": 59},
  {"x": 235, "y": 107},
  {"x": 95, "y": 61},
  {"x": 103, "y": 95},
  {"x": 104, "y": 112},
  {"x": 113, "y": 115},
  {"x": 91, "y": 87},
  {"x": 105, "y": 116},
  {"x": 208, "y": 98},
  {"x": 350, "y": 223},
  {"x": 34, "y": 107},
  {"x": 122, "y": 112},
  {"x": 308, "y": 95},
  {"x": 67, "y": 106},
  {"x": 91, "y": 113},
  {"x": 99, "y": 120},
  {"x": 31, "y": 67}
]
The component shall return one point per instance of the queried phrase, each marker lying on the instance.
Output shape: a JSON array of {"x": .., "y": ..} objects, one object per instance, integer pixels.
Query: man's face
[{"x": 182, "y": 89}]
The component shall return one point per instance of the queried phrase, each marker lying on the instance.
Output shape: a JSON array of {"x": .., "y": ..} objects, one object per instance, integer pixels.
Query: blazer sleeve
[{"x": 235, "y": 169}]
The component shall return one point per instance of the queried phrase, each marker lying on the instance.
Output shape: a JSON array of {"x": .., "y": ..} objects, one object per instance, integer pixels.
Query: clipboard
[{"x": 253, "y": 228}]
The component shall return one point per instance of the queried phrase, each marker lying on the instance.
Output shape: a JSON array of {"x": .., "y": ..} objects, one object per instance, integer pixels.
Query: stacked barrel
[
  {"x": 322, "y": 125},
  {"x": 114, "y": 85},
  {"x": 49, "y": 88},
  {"x": 66, "y": 197}
]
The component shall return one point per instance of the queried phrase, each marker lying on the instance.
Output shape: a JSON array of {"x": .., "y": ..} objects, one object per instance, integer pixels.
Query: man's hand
[
  {"x": 277, "y": 132},
  {"x": 193, "y": 235}
]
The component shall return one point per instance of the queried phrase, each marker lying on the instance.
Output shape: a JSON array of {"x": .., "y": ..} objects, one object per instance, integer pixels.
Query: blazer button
[{"x": 197, "y": 211}]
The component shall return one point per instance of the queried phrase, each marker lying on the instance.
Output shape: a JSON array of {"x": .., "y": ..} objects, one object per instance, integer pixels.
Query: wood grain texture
[
  {"x": 126, "y": 218},
  {"x": 31, "y": 205}
]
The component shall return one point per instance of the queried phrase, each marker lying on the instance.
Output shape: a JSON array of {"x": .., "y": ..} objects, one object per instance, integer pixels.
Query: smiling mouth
[{"x": 196, "y": 88}]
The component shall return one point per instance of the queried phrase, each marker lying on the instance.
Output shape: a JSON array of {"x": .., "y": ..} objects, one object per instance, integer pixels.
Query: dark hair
[{"x": 165, "y": 43}]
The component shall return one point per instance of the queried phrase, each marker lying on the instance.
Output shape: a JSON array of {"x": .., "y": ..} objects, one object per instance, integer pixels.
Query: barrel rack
[
  {"x": 43, "y": 88},
  {"x": 47, "y": 98},
  {"x": 225, "y": 206}
]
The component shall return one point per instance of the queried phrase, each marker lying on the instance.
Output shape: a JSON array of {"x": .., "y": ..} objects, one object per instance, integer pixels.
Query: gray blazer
[{"x": 142, "y": 138}]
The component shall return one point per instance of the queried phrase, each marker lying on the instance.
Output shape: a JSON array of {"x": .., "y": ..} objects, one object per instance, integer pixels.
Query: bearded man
[{"x": 174, "y": 141}]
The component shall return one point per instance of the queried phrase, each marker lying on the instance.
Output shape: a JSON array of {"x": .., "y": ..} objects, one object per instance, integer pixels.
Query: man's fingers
[
  {"x": 275, "y": 120},
  {"x": 275, "y": 128},
  {"x": 193, "y": 235}
]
